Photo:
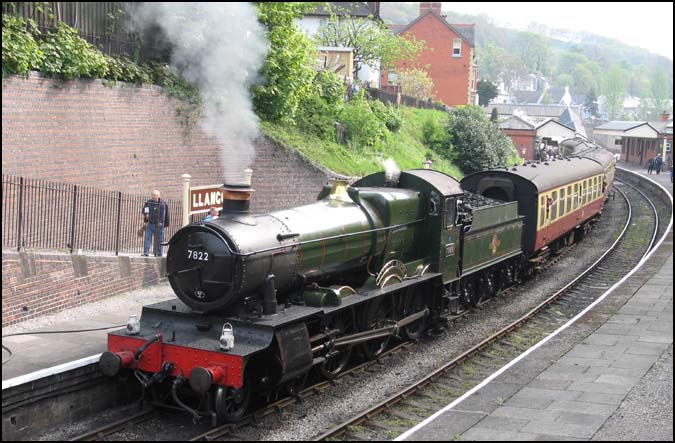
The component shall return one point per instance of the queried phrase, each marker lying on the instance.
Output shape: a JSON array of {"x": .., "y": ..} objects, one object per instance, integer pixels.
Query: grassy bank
[{"x": 405, "y": 147}]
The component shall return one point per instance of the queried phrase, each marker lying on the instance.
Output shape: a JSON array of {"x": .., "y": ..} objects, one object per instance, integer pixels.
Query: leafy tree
[
  {"x": 591, "y": 103},
  {"x": 287, "y": 69},
  {"x": 534, "y": 51},
  {"x": 476, "y": 143},
  {"x": 657, "y": 94},
  {"x": 494, "y": 115},
  {"x": 614, "y": 89},
  {"x": 416, "y": 83},
  {"x": 486, "y": 92},
  {"x": 373, "y": 44}
]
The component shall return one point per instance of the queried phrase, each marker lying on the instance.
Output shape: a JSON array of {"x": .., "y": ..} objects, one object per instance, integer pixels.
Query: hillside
[{"x": 405, "y": 147}]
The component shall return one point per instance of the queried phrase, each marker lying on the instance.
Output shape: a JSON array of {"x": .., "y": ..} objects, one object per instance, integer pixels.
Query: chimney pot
[{"x": 433, "y": 6}]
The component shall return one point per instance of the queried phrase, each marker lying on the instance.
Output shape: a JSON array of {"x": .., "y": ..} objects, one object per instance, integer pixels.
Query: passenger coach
[{"x": 558, "y": 198}]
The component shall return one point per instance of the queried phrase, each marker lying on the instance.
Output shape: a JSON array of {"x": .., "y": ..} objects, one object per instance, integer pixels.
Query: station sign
[{"x": 203, "y": 198}]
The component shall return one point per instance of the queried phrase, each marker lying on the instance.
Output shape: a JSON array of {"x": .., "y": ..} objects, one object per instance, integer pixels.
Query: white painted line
[
  {"x": 43, "y": 373},
  {"x": 411, "y": 431}
]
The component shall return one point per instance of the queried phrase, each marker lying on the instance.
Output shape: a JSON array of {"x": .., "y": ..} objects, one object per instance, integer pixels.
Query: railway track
[
  {"x": 406, "y": 408},
  {"x": 425, "y": 397}
]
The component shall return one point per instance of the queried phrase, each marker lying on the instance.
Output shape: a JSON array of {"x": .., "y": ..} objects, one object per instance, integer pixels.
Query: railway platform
[{"x": 609, "y": 376}]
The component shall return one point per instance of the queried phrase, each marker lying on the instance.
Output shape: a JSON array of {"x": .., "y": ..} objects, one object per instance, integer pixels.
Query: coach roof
[{"x": 549, "y": 175}]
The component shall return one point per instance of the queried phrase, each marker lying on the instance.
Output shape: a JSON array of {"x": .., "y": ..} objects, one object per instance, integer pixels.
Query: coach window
[
  {"x": 562, "y": 201},
  {"x": 576, "y": 195},
  {"x": 542, "y": 211},
  {"x": 569, "y": 199},
  {"x": 583, "y": 192},
  {"x": 595, "y": 187},
  {"x": 554, "y": 205}
]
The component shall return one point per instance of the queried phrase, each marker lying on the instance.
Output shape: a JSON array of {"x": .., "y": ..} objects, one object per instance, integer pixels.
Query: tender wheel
[
  {"x": 470, "y": 294},
  {"x": 414, "y": 304},
  {"x": 490, "y": 285},
  {"x": 231, "y": 404},
  {"x": 333, "y": 366},
  {"x": 378, "y": 315}
]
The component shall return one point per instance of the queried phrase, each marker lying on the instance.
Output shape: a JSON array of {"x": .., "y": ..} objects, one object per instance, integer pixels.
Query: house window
[
  {"x": 457, "y": 47},
  {"x": 392, "y": 77}
]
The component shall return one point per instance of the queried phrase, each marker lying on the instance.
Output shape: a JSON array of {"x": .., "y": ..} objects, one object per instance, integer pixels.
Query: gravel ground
[
  {"x": 353, "y": 394},
  {"x": 648, "y": 408}
]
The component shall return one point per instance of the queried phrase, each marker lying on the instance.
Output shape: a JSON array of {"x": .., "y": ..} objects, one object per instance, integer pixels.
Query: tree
[
  {"x": 416, "y": 83},
  {"x": 371, "y": 41},
  {"x": 486, "y": 92},
  {"x": 494, "y": 116},
  {"x": 475, "y": 142},
  {"x": 534, "y": 51},
  {"x": 657, "y": 94},
  {"x": 287, "y": 70},
  {"x": 614, "y": 89},
  {"x": 591, "y": 103}
]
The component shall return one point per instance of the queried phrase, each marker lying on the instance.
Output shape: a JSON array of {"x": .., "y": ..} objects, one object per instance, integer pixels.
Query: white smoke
[
  {"x": 391, "y": 171},
  {"x": 219, "y": 48}
]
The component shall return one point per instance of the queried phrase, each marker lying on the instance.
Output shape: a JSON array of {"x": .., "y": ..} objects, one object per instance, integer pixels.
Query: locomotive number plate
[
  {"x": 449, "y": 249},
  {"x": 198, "y": 255}
]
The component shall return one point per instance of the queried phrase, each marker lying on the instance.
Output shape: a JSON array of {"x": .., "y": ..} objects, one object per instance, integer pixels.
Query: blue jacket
[{"x": 156, "y": 212}]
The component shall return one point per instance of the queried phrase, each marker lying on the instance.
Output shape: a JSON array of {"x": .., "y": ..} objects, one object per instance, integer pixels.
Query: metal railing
[{"x": 39, "y": 214}]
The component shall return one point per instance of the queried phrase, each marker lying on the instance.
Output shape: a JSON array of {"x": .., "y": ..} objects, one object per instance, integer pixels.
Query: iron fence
[
  {"x": 103, "y": 24},
  {"x": 39, "y": 214}
]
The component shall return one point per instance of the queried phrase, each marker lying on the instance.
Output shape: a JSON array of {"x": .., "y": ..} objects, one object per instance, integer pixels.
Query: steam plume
[{"x": 219, "y": 48}]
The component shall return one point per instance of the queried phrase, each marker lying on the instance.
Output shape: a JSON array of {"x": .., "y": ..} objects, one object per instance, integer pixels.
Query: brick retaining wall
[{"x": 35, "y": 284}]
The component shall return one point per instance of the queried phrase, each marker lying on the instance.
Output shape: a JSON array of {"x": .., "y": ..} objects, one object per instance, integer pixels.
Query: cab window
[{"x": 449, "y": 212}]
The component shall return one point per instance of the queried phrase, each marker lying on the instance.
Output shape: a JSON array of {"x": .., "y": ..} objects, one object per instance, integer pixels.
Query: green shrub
[
  {"x": 175, "y": 85},
  {"x": 330, "y": 87},
  {"x": 20, "y": 52},
  {"x": 123, "y": 69},
  {"x": 66, "y": 53},
  {"x": 387, "y": 114},
  {"x": 316, "y": 116},
  {"x": 433, "y": 135},
  {"x": 362, "y": 126}
]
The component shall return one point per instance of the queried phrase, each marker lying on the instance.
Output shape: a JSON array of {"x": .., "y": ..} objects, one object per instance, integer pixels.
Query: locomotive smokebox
[{"x": 237, "y": 196}]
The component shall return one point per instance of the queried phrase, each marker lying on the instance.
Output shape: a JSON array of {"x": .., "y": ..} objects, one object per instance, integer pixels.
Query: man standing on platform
[{"x": 156, "y": 215}]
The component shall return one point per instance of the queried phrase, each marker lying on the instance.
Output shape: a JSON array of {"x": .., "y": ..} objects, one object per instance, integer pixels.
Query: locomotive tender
[{"x": 264, "y": 299}]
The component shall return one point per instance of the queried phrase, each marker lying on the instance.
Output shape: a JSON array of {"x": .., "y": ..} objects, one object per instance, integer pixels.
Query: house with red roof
[{"x": 449, "y": 55}]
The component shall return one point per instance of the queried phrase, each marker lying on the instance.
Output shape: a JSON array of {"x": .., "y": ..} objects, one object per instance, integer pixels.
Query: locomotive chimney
[{"x": 237, "y": 196}]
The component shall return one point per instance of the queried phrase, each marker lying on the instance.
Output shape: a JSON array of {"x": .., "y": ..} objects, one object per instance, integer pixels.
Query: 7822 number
[{"x": 198, "y": 255}]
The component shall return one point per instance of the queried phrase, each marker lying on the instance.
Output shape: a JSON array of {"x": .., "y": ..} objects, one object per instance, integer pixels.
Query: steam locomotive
[{"x": 263, "y": 300}]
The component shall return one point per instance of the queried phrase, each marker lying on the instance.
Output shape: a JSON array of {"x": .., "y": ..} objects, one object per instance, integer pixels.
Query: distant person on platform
[
  {"x": 650, "y": 166},
  {"x": 156, "y": 216},
  {"x": 658, "y": 162},
  {"x": 213, "y": 214}
]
